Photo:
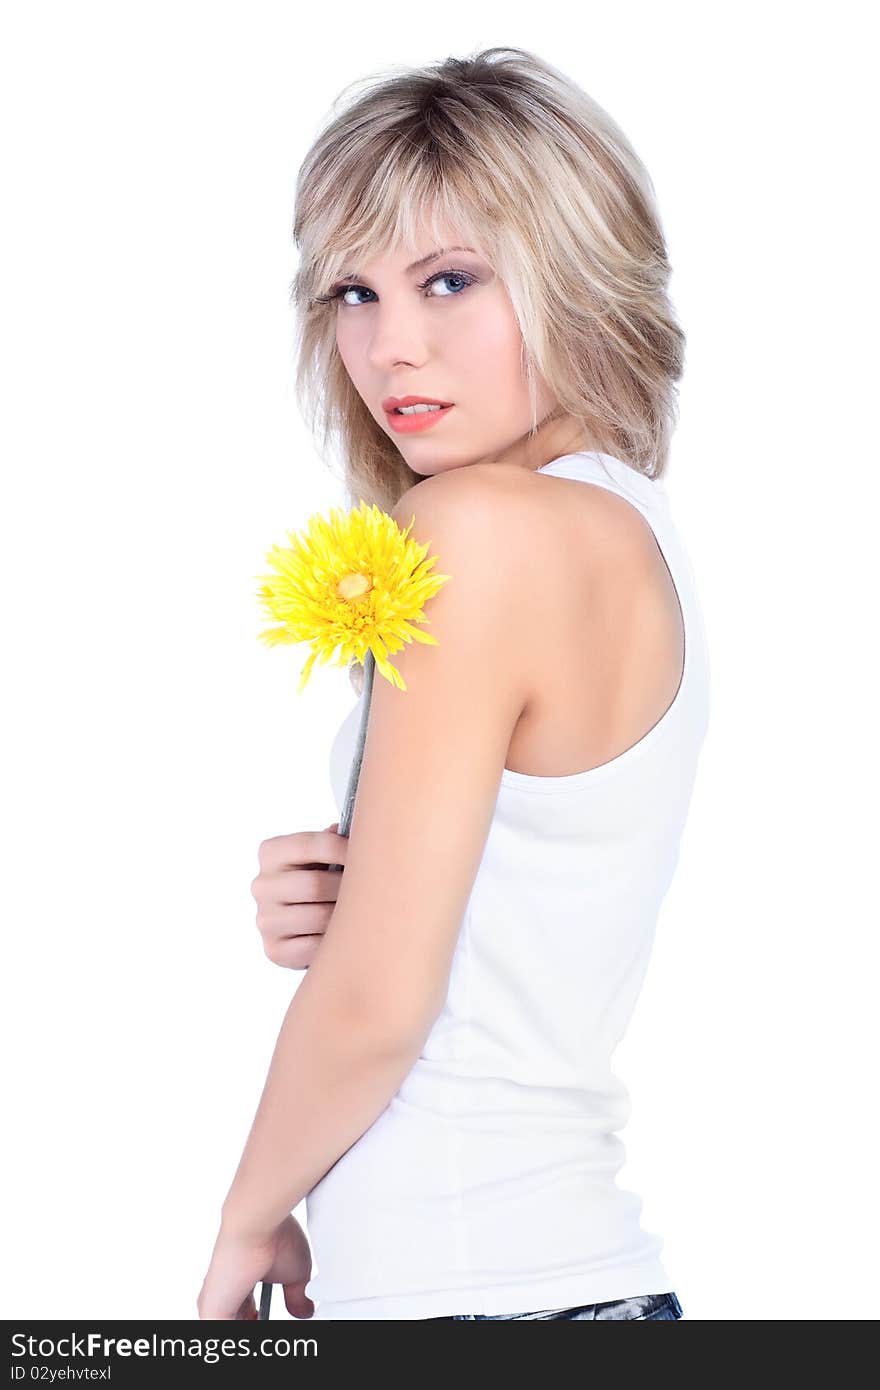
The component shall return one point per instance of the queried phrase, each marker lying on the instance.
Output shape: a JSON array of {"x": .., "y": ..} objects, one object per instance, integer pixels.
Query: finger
[
  {"x": 318, "y": 846},
  {"x": 312, "y": 886},
  {"x": 307, "y": 883},
  {"x": 296, "y": 1301},
  {"x": 292, "y": 851},
  {"x": 297, "y": 953},
  {"x": 279, "y": 920}
]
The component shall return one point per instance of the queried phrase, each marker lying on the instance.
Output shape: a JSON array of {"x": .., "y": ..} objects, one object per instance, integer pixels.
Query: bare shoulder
[
  {"x": 552, "y": 539},
  {"x": 563, "y": 586},
  {"x": 576, "y": 510},
  {"x": 505, "y": 506},
  {"x": 471, "y": 494},
  {"x": 480, "y": 517},
  {"x": 475, "y": 521}
]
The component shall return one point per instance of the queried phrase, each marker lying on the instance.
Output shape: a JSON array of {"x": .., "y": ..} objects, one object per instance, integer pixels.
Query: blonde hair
[{"x": 530, "y": 170}]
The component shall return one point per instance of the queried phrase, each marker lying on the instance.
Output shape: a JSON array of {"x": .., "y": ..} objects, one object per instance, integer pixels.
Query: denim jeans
[{"x": 653, "y": 1306}]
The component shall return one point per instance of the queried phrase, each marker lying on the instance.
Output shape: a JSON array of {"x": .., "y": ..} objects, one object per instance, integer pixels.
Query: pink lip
[
  {"x": 391, "y": 401},
  {"x": 409, "y": 424}
]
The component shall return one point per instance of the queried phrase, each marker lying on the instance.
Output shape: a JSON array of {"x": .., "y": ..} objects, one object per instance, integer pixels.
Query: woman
[{"x": 480, "y": 235}]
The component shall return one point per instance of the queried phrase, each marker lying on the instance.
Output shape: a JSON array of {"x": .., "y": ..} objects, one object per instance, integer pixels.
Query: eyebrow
[
  {"x": 431, "y": 256},
  {"x": 435, "y": 256}
]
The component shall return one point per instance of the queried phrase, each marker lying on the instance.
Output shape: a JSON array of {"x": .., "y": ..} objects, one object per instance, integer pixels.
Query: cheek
[
  {"x": 341, "y": 345},
  {"x": 353, "y": 361},
  {"x": 347, "y": 346},
  {"x": 490, "y": 349}
]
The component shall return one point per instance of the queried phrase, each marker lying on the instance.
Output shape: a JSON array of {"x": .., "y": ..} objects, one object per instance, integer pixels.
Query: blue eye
[
  {"x": 447, "y": 275},
  {"x": 341, "y": 290}
]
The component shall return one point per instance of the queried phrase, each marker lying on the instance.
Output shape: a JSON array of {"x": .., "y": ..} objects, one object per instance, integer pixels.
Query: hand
[
  {"x": 296, "y": 893},
  {"x": 239, "y": 1263}
]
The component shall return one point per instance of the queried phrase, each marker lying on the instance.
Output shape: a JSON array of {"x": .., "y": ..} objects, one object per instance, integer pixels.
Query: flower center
[{"x": 352, "y": 586}]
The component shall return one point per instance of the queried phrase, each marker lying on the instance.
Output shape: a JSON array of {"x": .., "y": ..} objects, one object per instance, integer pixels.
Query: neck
[{"x": 555, "y": 436}]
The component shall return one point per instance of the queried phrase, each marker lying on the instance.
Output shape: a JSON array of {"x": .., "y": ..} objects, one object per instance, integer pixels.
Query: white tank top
[{"x": 487, "y": 1185}]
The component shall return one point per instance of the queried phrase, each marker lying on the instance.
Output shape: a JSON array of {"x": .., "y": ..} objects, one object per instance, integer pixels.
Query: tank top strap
[{"x": 590, "y": 465}]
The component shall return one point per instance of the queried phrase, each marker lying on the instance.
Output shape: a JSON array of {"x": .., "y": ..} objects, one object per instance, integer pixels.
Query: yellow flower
[{"x": 356, "y": 582}]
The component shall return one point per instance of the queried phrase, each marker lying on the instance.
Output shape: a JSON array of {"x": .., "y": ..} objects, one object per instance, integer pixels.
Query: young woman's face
[{"x": 444, "y": 330}]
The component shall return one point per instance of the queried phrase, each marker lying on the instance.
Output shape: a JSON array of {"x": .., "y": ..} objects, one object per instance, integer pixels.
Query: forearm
[{"x": 329, "y": 1080}]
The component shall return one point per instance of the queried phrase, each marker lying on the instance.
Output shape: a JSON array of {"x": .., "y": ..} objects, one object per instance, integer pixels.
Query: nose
[{"x": 397, "y": 335}]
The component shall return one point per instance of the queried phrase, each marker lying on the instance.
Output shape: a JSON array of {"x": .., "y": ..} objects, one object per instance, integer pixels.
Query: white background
[{"x": 152, "y": 452}]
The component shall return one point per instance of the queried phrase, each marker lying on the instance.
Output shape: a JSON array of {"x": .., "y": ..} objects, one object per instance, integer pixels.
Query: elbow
[
  {"x": 387, "y": 1017},
  {"x": 388, "y": 1032},
  {"x": 389, "y": 1021}
]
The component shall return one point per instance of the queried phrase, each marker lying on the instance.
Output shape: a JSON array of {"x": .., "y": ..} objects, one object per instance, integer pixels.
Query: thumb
[
  {"x": 334, "y": 826},
  {"x": 297, "y": 1302}
]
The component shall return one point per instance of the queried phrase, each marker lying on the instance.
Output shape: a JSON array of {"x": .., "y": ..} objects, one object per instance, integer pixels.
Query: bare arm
[{"x": 429, "y": 782}]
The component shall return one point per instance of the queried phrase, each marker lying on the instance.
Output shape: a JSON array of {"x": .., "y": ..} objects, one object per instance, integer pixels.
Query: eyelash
[{"x": 425, "y": 284}]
